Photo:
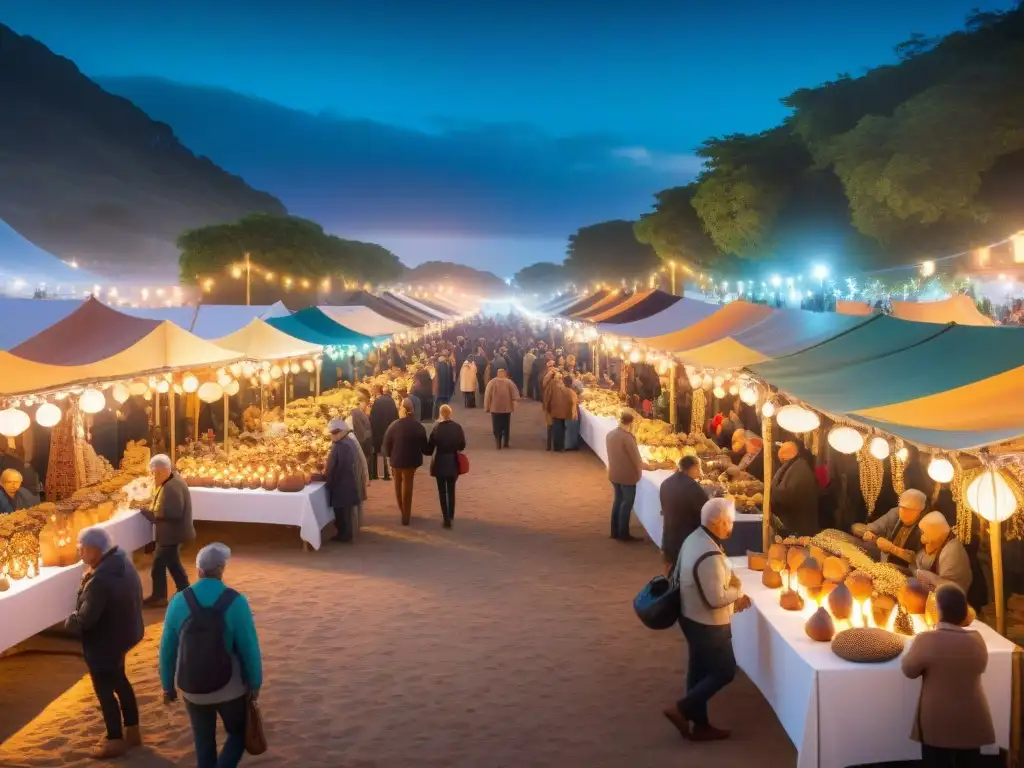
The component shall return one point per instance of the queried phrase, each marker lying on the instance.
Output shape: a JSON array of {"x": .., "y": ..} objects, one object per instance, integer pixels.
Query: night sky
[{"x": 477, "y": 132}]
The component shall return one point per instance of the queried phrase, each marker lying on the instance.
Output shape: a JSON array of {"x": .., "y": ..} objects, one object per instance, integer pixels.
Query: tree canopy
[
  {"x": 543, "y": 276},
  {"x": 283, "y": 244},
  {"x": 609, "y": 252}
]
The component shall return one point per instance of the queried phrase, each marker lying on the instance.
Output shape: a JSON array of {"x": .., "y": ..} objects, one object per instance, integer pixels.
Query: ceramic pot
[
  {"x": 840, "y": 602},
  {"x": 820, "y": 626}
]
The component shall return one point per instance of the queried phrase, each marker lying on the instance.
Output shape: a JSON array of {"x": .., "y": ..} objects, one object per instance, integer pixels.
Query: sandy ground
[{"x": 508, "y": 641}]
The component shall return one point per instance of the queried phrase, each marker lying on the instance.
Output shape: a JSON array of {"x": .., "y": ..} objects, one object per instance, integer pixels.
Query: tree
[
  {"x": 675, "y": 231},
  {"x": 609, "y": 252},
  {"x": 363, "y": 262},
  {"x": 544, "y": 276}
]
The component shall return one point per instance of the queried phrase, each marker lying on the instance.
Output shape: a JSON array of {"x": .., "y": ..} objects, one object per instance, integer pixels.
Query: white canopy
[
  {"x": 262, "y": 341},
  {"x": 214, "y": 321},
  {"x": 956, "y": 309},
  {"x": 364, "y": 320}
]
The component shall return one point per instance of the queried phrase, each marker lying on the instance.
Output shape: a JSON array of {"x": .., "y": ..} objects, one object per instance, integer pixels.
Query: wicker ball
[{"x": 867, "y": 645}]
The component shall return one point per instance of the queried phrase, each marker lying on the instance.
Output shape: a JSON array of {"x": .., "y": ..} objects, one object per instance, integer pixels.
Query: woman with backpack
[{"x": 209, "y": 650}]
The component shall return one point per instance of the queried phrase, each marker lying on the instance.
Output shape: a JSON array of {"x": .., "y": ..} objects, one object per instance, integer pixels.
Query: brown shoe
[
  {"x": 111, "y": 748},
  {"x": 133, "y": 735},
  {"x": 709, "y": 733},
  {"x": 679, "y": 720}
]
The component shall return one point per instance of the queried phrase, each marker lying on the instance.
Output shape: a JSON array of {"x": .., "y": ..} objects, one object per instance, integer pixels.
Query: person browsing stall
[
  {"x": 171, "y": 514},
  {"x": 682, "y": 499},
  {"x": 942, "y": 559},
  {"x": 896, "y": 533}
]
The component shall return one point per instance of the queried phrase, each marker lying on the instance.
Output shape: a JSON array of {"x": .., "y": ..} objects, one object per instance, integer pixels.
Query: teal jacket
[{"x": 239, "y": 633}]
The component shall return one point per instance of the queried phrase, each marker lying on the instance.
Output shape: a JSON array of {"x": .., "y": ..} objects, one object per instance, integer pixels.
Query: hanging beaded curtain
[
  {"x": 958, "y": 489},
  {"x": 1013, "y": 529},
  {"x": 697, "y": 409},
  {"x": 816, "y": 442},
  {"x": 897, "y": 466},
  {"x": 871, "y": 472}
]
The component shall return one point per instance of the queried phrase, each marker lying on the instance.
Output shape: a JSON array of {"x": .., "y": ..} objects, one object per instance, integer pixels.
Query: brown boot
[
  {"x": 709, "y": 733},
  {"x": 111, "y": 748},
  {"x": 133, "y": 735}
]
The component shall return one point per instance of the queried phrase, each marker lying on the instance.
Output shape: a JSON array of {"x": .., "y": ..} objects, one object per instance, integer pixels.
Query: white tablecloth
[
  {"x": 838, "y": 713},
  {"x": 32, "y": 605},
  {"x": 647, "y": 507},
  {"x": 307, "y": 509}
]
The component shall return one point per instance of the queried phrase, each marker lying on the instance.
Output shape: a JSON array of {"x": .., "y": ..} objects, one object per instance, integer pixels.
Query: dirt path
[{"x": 508, "y": 641}]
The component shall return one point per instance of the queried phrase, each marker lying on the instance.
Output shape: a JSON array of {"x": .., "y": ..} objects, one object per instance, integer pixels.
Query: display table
[
  {"x": 306, "y": 509},
  {"x": 746, "y": 533},
  {"x": 32, "y": 605},
  {"x": 838, "y": 713}
]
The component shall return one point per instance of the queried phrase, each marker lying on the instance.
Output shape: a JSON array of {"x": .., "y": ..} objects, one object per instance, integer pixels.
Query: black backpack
[{"x": 204, "y": 662}]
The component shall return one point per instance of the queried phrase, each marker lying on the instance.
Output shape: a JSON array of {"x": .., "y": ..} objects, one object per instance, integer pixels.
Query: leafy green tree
[
  {"x": 675, "y": 231},
  {"x": 364, "y": 262},
  {"x": 609, "y": 252},
  {"x": 544, "y": 276}
]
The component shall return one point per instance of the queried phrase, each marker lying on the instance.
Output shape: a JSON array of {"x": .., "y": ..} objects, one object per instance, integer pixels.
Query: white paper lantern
[
  {"x": 695, "y": 382},
  {"x": 845, "y": 439},
  {"x": 734, "y": 390},
  {"x": 224, "y": 379},
  {"x": 265, "y": 365},
  {"x": 236, "y": 369},
  {"x": 991, "y": 496},
  {"x": 264, "y": 378},
  {"x": 748, "y": 394},
  {"x": 275, "y": 372},
  {"x": 232, "y": 388},
  {"x": 210, "y": 392},
  {"x": 13, "y": 422},
  {"x": 308, "y": 366},
  {"x": 634, "y": 356},
  {"x": 148, "y": 396},
  {"x": 940, "y": 469},
  {"x": 190, "y": 383},
  {"x": 248, "y": 368},
  {"x": 163, "y": 386},
  {"x": 120, "y": 393},
  {"x": 92, "y": 401},
  {"x": 879, "y": 448},
  {"x": 768, "y": 409},
  {"x": 706, "y": 381},
  {"x": 718, "y": 392},
  {"x": 718, "y": 381},
  {"x": 797, "y": 419},
  {"x": 48, "y": 415},
  {"x": 138, "y": 388},
  {"x": 902, "y": 454}
]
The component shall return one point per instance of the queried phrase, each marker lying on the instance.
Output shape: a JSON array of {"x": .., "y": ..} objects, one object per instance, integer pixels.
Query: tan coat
[
  {"x": 952, "y": 712},
  {"x": 501, "y": 396},
  {"x": 467, "y": 378},
  {"x": 558, "y": 401},
  {"x": 624, "y": 463}
]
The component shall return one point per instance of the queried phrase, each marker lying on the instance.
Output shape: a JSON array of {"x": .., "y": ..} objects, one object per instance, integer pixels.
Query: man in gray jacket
[{"x": 171, "y": 513}]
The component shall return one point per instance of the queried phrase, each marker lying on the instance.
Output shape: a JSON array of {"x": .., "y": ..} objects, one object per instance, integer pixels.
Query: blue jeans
[
  {"x": 572, "y": 435},
  {"x": 711, "y": 667},
  {"x": 204, "y": 732},
  {"x": 622, "y": 507}
]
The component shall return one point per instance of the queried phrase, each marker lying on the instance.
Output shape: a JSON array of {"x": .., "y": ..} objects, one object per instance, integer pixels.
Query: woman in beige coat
[
  {"x": 953, "y": 719},
  {"x": 468, "y": 383}
]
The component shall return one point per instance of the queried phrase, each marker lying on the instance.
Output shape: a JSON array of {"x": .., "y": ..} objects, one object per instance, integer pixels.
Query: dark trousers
[
  {"x": 940, "y": 757},
  {"x": 343, "y": 522},
  {"x": 427, "y": 408},
  {"x": 116, "y": 697},
  {"x": 558, "y": 434},
  {"x": 622, "y": 507},
  {"x": 501, "y": 424},
  {"x": 470, "y": 399},
  {"x": 711, "y": 667},
  {"x": 531, "y": 385},
  {"x": 204, "y": 732},
  {"x": 404, "y": 479},
  {"x": 167, "y": 559},
  {"x": 373, "y": 467},
  {"x": 446, "y": 495}
]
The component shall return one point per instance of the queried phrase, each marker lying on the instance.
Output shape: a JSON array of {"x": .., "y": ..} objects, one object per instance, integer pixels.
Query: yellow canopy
[
  {"x": 611, "y": 298},
  {"x": 166, "y": 348},
  {"x": 859, "y": 308},
  {"x": 724, "y": 353},
  {"x": 261, "y": 341},
  {"x": 956, "y": 309},
  {"x": 727, "y": 321},
  {"x": 609, "y": 312}
]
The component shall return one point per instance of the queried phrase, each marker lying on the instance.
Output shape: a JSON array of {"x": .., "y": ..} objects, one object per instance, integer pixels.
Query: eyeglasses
[{"x": 335, "y": 431}]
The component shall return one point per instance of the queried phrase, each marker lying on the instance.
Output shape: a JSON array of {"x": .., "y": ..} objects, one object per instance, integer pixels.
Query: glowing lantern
[
  {"x": 224, "y": 379},
  {"x": 232, "y": 388},
  {"x": 748, "y": 394},
  {"x": 294, "y": 368},
  {"x": 13, "y": 422},
  {"x": 308, "y": 366},
  {"x": 845, "y": 439},
  {"x": 695, "y": 382},
  {"x": 163, "y": 387},
  {"x": 92, "y": 401},
  {"x": 264, "y": 377},
  {"x": 119, "y": 392},
  {"x": 940, "y": 469},
  {"x": 276, "y": 372},
  {"x": 634, "y": 356},
  {"x": 248, "y": 369},
  {"x": 797, "y": 419},
  {"x": 138, "y": 388},
  {"x": 236, "y": 369},
  {"x": 48, "y": 415},
  {"x": 718, "y": 392},
  {"x": 707, "y": 382},
  {"x": 902, "y": 454},
  {"x": 879, "y": 448},
  {"x": 210, "y": 392},
  {"x": 734, "y": 390},
  {"x": 768, "y": 409},
  {"x": 991, "y": 496},
  {"x": 190, "y": 383}
]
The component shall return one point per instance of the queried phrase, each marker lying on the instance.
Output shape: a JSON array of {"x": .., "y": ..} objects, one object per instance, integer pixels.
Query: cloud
[{"x": 357, "y": 175}]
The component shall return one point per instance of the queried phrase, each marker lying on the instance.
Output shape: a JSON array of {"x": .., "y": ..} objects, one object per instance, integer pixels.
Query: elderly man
[
  {"x": 214, "y": 659},
  {"x": 13, "y": 496},
  {"x": 710, "y": 593},
  {"x": 896, "y": 533},
  {"x": 346, "y": 487},
  {"x": 682, "y": 499},
  {"x": 625, "y": 468},
  {"x": 752, "y": 461},
  {"x": 171, "y": 513},
  {"x": 500, "y": 399},
  {"x": 942, "y": 559},
  {"x": 108, "y": 615}
]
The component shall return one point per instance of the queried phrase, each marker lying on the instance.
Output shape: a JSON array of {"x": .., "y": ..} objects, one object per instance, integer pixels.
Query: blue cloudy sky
[{"x": 477, "y": 132}]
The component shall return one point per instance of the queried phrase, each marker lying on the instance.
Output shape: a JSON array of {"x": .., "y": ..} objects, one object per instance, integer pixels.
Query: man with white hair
[
  {"x": 210, "y": 651},
  {"x": 942, "y": 558},
  {"x": 13, "y": 495},
  {"x": 710, "y": 593},
  {"x": 108, "y": 615},
  {"x": 896, "y": 533},
  {"x": 345, "y": 479},
  {"x": 171, "y": 514}
]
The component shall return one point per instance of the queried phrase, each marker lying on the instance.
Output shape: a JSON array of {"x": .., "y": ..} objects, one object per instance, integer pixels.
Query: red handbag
[{"x": 463, "y": 460}]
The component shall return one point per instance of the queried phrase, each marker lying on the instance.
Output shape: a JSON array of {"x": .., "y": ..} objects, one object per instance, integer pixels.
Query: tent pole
[
  {"x": 156, "y": 408},
  {"x": 316, "y": 383},
  {"x": 171, "y": 397},
  {"x": 227, "y": 445},
  {"x": 766, "y": 505},
  {"x": 284, "y": 395},
  {"x": 672, "y": 395},
  {"x": 195, "y": 421}
]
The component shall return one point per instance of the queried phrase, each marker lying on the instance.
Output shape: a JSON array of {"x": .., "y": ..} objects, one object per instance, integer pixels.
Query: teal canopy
[{"x": 314, "y": 326}]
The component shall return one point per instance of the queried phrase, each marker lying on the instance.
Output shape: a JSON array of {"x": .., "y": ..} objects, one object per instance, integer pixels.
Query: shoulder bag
[
  {"x": 463, "y": 461},
  {"x": 255, "y": 736}
]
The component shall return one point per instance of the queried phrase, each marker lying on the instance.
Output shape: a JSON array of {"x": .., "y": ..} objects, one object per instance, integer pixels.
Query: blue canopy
[{"x": 314, "y": 326}]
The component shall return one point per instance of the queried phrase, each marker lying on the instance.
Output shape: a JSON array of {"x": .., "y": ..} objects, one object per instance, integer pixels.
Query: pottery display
[
  {"x": 791, "y": 600},
  {"x": 756, "y": 561},
  {"x": 291, "y": 483},
  {"x": 860, "y": 585},
  {"x": 795, "y": 557},
  {"x": 840, "y": 602},
  {"x": 835, "y": 569},
  {"x": 809, "y": 573},
  {"x": 881, "y": 609},
  {"x": 777, "y": 557},
  {"x": 914, "y": 597},
  {"x": 820, "y": 626},
  {"x": 771, "y": 578}
]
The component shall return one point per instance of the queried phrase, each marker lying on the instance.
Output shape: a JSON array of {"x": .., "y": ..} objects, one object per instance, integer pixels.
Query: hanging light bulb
[
  {"x": 276, "y": 372},
  {"x": 236, "y": 369},
  {"x": 768, "y": 409},
  {"x": 696, "y": 382},
  {"x": 845, "y": 439},
  {"x": 797, "y": 419},
  {"x": 748, "y": 394},
  {"x": 294, "y": 367},
  {"x": 634, "y": 356},
  {"x": 308, "y": 366},
  {"x": 734, "y": 390},
  {"x": 120, "y": 393},
  {"x": 92, "y": 401},
  {"x": 706, "y": 381},
  {"x": 718, "y": 392},
  {"x": 264, "y": 378},
  {"x": 210, "y": 392},
  {"x": 13, "y": 422},
  {"x": 48, "y": 415},
  {"x": 232, "y": 388},
  {"x": 248, "y": 368},
  {"x": 902, "y": 454},
  {"x": 163, "y": 386},
  {"x": 138, "y": 388},
  {"x": 879, "y": 448},
  {"x": 190, "y": 383},
  {"x": 224, "y": 379},
  {"x": 940, "y": 469},
  {"x": 991, "y": 496}
]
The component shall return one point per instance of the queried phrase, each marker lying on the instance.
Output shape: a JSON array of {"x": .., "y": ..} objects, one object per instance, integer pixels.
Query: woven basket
[{"x": 867, "y": 645}]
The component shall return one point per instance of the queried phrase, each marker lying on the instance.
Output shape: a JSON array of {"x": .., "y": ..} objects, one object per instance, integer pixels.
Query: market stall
[
  {"x": 364, "y": 320},
  {"x": 651, "y": 304}
]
